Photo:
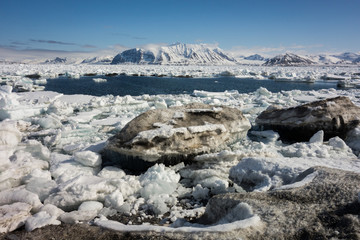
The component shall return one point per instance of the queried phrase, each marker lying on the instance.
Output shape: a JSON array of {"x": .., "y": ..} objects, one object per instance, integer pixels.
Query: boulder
[
  {"x": 174, "y": 135},
  {"x": 326, "y": 207},
  {"x": 335, "y": 116}
]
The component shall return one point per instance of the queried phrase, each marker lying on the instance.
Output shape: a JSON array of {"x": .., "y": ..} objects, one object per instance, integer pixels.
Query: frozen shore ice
[{"x": 48, "y": 138}]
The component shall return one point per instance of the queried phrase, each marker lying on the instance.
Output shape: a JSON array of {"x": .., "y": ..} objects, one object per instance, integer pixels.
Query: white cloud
[{"x": 29, "y": 55}]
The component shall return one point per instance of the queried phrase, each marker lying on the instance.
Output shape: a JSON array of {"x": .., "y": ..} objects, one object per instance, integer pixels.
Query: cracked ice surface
[{"x": 49, "y": 144}]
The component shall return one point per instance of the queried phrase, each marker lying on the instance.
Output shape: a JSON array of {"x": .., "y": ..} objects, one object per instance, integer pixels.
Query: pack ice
[{"x": 51, "y": 168}]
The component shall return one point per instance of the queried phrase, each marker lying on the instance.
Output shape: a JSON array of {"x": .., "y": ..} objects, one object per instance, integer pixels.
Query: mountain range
[{"x": 202, "y": 54}]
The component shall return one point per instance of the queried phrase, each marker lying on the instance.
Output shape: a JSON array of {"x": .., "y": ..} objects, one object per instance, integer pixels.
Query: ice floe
[{"x": 50, "y": 167}]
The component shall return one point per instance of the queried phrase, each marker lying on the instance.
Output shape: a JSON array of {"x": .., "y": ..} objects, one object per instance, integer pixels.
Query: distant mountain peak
[
  {"x": 289, "y": 59},
  {"x": 98, "y": 60},
  {"x": 176, "y": 54},
  {"x": 56, "y": 60},
  {"x": 255, "y": 57}
]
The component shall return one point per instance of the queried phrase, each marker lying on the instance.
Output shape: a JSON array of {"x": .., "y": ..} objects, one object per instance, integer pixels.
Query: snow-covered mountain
[
  {"x": 339, "y": 59},
  {"x": 98, "y": 60},
  {"x": 255, "y": 57},
  {"x": 56, "y": 60},
  {"x": 326, "y": 59},
  {"x": 356, "y": 61},
  {"x": 176, "y": 54},
  {"x": 289, "y": 59},
  {"x": 347, "y": 56}
]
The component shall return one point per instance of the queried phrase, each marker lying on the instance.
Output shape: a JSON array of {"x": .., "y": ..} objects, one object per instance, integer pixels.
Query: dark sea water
[{"x": 129, "y": 85}]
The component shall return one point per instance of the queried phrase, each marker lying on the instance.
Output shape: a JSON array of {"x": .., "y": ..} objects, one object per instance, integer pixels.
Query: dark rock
[
  {"x": 335, "y": 116},
  {"x": 33, "y": 76},
  {"x": 134, "y": 55},
  {"x": 325, "y": 208},
  {"x": 174, "y": 135},
  {"x": 288, "y": 59},
  {"x": 255, "y": 57},
  {"x": 56, "y": 60},
  {"x": 111, "y": 74},
  {"x": 90, "y": 74}
]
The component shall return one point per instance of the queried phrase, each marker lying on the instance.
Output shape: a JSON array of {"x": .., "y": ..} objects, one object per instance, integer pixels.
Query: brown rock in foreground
[
  {"x": 326, "y": 208},
  {"x": 174, "y": 135},
  {"x": 335, "y": 116}
]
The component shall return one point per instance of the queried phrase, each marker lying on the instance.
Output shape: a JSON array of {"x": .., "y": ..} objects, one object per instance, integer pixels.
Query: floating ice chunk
[
  {"x": 158, "y": 204},
  {"x": 114, "y": 200},
  {"x": 77, "y": 190},
  {"x": 52, "y": 210},
  {"x": 318, "y": 137},
  {"x": 43, "y": 97},
  {"x": 88, "y": 158},
  {"x": 91, "y": 206},
  {"x": 67, "y": 169},
  {"x": 86, "y": 212},
  {"x": 128, "y": 185},
  {"x": 13, "y": 216},
  {"x": 216, "y": 184},
  {"x": 60, "y": 108},
  {"x": 306, "y": 150},
  {"x": 158, "y": 180},
  {"x": 49, "y": 122},
  {"x": 160, "y": 104},
  {"x": 22, "y": 163},
  {"x": 37, "y": 150},
  {"x": 337, "y": 142},
  {"x": 99, "y": 80},
  {"x": 41, "y": 186},
  {"x": 110, "y": 121},
  {"x": 37, "y": 173},
  {"x": 85, "y": 117},
  {"x": 20, "y": 195},
  {"x": 263, "y": 91},
  {"x": 79, "y": 99},
  {"x": 199, "y": 192},
  {"x": 42, "y": 81},
  {"x": 6, "y": 89},
  {"x": 111, "y": 172},
  {"x": 51, "y": 141},
  {"x": 77, "y": 216},
  {"x": 39, "y": 220},
  {"x": 70, "y": 148},
  {"x": 8, "y": 101},
  {"x": 9, "y": 139}
]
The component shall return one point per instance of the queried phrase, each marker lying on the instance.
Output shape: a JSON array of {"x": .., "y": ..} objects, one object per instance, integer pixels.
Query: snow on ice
[{"x": 50, "y": 169}]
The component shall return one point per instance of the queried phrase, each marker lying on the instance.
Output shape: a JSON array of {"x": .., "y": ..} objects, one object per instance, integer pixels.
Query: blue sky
[{"x": 246, "y": 26}]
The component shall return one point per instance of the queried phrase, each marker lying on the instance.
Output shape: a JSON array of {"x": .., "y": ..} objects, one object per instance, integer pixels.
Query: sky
[{"x": 40, "y": 27}]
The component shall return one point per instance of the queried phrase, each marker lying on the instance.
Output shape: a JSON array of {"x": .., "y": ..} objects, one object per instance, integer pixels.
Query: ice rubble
[
  {"x": 49, "y": 161},
  {"x": 14, "y": 74}
]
